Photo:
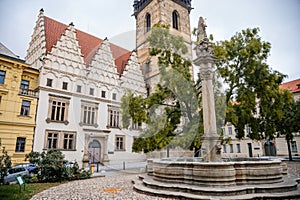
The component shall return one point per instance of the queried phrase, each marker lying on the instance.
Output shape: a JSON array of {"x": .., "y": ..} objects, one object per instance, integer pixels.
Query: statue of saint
[{"x": 201, "y": 30}]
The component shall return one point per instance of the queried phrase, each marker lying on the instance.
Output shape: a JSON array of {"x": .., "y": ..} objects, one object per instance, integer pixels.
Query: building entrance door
[
  {"x": 94, "y": 152},
  {"x": 250, "y": 150}
]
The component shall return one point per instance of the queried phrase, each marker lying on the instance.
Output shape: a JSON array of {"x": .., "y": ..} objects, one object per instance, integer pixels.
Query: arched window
[
  {"x": 148, "y": 22},
  {"x": 175, "y": 17}
]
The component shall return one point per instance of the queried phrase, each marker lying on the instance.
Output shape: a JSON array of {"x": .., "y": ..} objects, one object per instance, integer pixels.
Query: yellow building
[{"x": 18, "y": 101}]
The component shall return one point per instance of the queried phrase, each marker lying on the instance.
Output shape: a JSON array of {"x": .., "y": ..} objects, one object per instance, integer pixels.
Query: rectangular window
[
  {"x": 58, "y": 109},
  {"x": 89, "y": 113},
  {"x": 120, "y": 143},
  {"x": 52, "y": 141},
  {"x": 2, "y": 76},
  {"x": 65, "y": 86},
  {"x": 294, "y": 147},
  {"x": 25, "y": 108},
  {"x": 223, "y": 131},
  {"x": 114, "y": 96},
  {"x": 68, "y": 141},
  {"x": 20, "y": 144},
  {"x": 114, "y": 118},
  {"x": 248, "y": 129},
  {"x": 78, "y": 89},
  {"x": 231, "y": 148},
  {"x": 24, "y": 87},
  {"x": 230, "y": 130},
  {"x": 224, "y": 148},
  {"x": 103, "y": 94},
  {"x": 238, "y": 147},
  {"x": 92, "y": 91},
  {"x": 49, "y": 82},
  {"x": 147, "y": 67},
  {"x": 62, "y": 140}
]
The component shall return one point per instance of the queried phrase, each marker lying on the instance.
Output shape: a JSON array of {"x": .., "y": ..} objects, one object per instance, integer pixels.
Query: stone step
[{"x": 286, "y": 190}]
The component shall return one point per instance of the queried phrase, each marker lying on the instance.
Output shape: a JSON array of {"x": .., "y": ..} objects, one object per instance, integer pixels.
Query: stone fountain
[{"x": 210, "y": 177}]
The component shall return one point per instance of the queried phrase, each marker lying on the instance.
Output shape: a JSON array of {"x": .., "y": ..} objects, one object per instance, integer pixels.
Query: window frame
[
  {"x": 148, "y": 22},
  {"x": 60, "y": 109},
  {"x": 20, "y": 145},
  {"x": 114, "y": 117},
  {"x": 103, "y": 94},
  {"x": 294, "y": 148},
  {"x": 231, "y": 148},
  {"x": 59, "y": 140},
  {"x": 49, "y": 82},
  {"x": 86, "y": 118},
  {"x": 24, "y": 86},
  {"x": 25, "y": 109},
  {"x": 2, "y": 76},
  {"x": 238, "y": 148},
  {"x": 79, "y": 89},
  {"x": 175, "y": 20},
  {"x": 120, "y": 144},
  {"x": 65, "y": 85}
]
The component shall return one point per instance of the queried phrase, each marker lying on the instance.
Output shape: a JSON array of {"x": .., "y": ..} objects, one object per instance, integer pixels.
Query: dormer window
[
  {"x": 148, "y": 22},
  {"x": 298, "y": 86},
  {"x": 175, "y": 17}
]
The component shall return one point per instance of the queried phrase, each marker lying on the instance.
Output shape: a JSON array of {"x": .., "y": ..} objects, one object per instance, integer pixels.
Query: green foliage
[
  {"x": 253, "y": 95},
  {"x": 52, "y": 166},
  {"x": 5, "y": 163},
  {"x": 175, "y": 97}
]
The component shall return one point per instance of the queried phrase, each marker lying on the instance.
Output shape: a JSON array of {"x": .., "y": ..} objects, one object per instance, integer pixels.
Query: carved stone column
[{"x": 210, "y": 149}]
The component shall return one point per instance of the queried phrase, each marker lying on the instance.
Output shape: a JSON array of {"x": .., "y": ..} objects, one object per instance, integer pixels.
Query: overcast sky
[{"x": 278, "y": 20}]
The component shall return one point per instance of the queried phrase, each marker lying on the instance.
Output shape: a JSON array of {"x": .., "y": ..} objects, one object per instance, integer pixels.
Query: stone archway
[{"x": 94, "y": 152}]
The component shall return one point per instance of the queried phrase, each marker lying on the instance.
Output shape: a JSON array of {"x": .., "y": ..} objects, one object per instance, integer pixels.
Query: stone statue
[
  {"x": 203, "y": 47},
  {"x": 201, "y": 30}
]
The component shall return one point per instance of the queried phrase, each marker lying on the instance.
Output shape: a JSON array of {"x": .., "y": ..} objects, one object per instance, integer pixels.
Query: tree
[
  {"x": 174, "y": 101},
  {"x": 253, "y": 93},
  {"x": 5, "y": 163}
]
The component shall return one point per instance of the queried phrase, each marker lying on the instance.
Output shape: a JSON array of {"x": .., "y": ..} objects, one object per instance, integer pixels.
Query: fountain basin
[
  {"x": 192, "y": 178},
  {"x": 195, "y": 172}
]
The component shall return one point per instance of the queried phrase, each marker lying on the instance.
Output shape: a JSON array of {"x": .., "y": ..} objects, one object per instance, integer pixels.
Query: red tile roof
[
  {"x": 89, "y": 44},
  {"x": 293, "y": 86}
]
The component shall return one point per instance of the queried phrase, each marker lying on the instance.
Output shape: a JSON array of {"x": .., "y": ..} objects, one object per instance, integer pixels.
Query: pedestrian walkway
[{"x": 123, "y": 168}]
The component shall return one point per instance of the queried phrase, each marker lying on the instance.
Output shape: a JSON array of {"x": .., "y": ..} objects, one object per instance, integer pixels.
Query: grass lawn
[{"x": 12, "y": 192}]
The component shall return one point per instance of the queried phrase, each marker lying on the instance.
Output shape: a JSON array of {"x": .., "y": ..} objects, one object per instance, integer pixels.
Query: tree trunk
[{"x": 289, "y": 150}]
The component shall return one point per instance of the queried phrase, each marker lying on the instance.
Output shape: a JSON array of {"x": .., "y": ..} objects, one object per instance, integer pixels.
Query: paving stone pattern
[{"x": 117, "y": 186}]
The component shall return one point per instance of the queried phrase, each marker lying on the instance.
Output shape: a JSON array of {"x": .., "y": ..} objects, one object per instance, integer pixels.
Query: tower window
[
  {"x": 148, "y": 22},
  {"x": 175, "y": 17}
]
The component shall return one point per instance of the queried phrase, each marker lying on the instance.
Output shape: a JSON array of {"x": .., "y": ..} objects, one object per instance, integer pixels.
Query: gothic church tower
[{"x": 176, "y": 13}]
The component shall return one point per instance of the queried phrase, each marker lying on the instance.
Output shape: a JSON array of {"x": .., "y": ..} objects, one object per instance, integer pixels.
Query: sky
[{"x": 278, "y": 20}]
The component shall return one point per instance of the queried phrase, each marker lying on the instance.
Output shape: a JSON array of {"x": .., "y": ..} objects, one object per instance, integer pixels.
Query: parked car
[
  {"x": 31, "y": 168},
  {"x": 13, "y": 172}
]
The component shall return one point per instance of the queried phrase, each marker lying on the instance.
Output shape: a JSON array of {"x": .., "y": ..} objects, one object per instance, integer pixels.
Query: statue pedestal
[{"x": 211, "y": 148}]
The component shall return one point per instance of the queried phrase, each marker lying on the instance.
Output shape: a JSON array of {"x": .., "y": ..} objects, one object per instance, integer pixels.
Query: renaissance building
[{"x": 81, "y": 83}]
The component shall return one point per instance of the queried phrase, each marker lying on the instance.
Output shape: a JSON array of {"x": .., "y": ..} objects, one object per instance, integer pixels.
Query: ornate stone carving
[{"x": 204, "y": 47}]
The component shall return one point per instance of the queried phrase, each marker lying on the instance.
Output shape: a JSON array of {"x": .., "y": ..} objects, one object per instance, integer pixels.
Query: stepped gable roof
[
  {"x": 292, "y": 86},
  {"x": 89, "y": 44}
]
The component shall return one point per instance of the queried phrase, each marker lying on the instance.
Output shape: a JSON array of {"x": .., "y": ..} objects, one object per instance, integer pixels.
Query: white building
[{"x": 82, "y": 79}]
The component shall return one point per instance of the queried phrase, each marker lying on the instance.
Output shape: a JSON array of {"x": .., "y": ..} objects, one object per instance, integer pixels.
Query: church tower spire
[{"x": 176, "y": 13}]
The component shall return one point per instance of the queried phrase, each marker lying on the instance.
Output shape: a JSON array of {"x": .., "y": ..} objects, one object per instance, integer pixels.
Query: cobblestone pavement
[{"x": 114, "y": 187}]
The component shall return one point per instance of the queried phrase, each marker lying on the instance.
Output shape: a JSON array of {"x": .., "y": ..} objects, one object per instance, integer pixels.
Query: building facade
[
  {"x": 18, "y": 101},
  {"x": 249, "y": 148},
  {"x": 82, "y": 80},
  {"x": 175, "y": 13},
  {"x": 281, "y": 144}
]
